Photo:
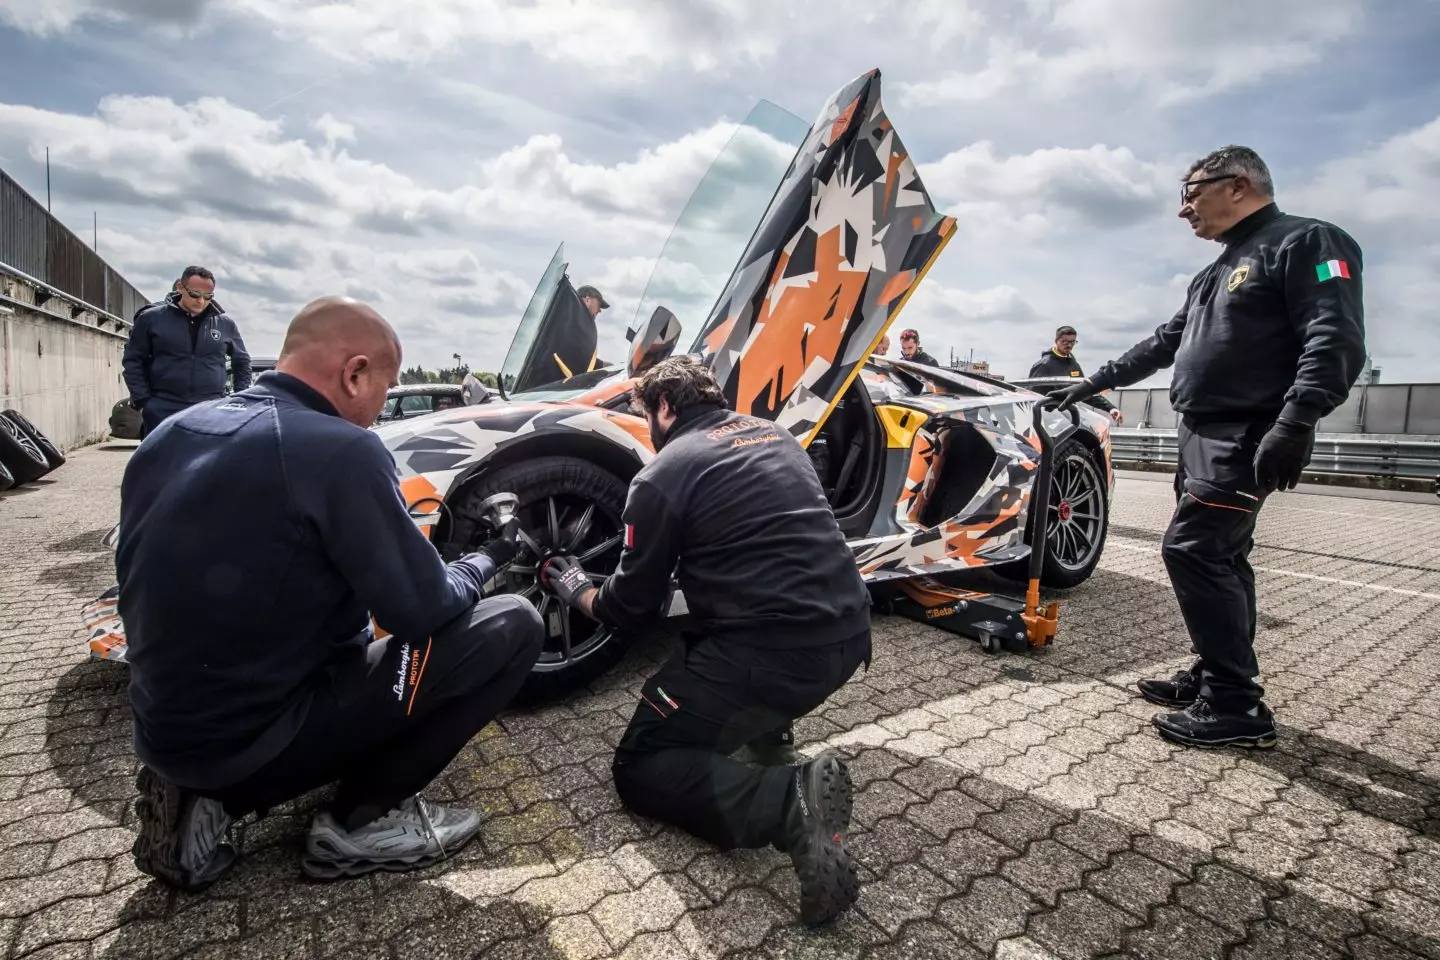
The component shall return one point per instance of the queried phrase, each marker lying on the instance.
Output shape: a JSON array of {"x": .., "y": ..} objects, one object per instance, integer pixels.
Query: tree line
[{"x": 453, "y": 374}]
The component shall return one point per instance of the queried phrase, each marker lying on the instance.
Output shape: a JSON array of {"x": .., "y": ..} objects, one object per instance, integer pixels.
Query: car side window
[{"x": 416, "y": 403}]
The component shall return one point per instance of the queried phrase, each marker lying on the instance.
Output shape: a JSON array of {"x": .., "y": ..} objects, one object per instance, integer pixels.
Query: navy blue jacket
[
  {"x": 181, "y": 360},
  {"x": 258, "y": 534}
]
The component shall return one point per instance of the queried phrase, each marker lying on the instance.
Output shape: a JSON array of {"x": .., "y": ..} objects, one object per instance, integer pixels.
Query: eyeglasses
[
  {"x": 198, "y": 296},
  {"x": 1187, "y": 197}
]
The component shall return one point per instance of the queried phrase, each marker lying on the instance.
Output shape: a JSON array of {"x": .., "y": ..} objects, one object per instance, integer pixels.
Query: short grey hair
[{"x": 1236, "y": 160}]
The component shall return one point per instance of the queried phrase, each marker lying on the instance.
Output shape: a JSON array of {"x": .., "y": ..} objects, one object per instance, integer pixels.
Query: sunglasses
[
  {"x": 198, "y": 296},
  {"x": 1187, "y": 197}
]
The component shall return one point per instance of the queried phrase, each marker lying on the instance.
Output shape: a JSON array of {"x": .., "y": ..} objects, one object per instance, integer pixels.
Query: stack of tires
[{"x": 26, "y": 454}]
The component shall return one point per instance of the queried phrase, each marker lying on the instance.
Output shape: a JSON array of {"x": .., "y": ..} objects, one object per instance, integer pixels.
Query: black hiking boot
[{"x": 817, "y": 814}]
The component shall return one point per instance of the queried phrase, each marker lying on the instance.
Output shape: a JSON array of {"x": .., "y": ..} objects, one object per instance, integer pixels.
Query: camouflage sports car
[{"x": 928, "y": 470}]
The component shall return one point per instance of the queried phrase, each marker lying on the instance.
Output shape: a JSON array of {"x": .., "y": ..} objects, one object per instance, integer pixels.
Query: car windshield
[
  {"x": 530, "y": 321},
  {"x": 720, "y": 217}
]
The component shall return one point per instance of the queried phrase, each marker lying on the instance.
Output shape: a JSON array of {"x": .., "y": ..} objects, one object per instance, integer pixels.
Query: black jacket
[
  {"x": 1266, "y": 330},
  {"x": 1051, "y": 364},
  {"x": 736, "y": 503},
  {"x": 258, "y": 535},
  {"x": 176, "y": 358},
  {"x": 921, "y": 357}
]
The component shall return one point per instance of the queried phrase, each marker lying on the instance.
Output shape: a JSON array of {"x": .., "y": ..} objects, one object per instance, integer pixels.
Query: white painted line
[
  {"x": 1115, "y": 541},
  {"x": 1272, "y": 507}
]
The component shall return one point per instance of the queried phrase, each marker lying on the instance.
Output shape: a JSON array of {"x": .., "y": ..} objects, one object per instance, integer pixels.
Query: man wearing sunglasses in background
[
  {"x": 1270, "y": 339},
  {"x": 176, "y": 353}
]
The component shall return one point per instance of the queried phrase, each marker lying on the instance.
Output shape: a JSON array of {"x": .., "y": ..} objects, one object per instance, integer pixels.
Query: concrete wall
[{"x": 59, "y": 362}]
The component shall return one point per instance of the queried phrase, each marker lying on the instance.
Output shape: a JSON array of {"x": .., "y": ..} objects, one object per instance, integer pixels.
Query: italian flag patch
[{"x": 1331, "y": 270}]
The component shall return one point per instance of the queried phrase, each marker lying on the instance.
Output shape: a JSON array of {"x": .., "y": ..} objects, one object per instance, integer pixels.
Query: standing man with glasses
[
  {"x": 176, "y": 353},
  {"x": 1059, "y": 361},
  {"x": 1270, "y": 339}
]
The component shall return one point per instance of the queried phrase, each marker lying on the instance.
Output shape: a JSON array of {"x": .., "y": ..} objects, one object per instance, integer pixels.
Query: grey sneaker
[
  {"x": 415, "y": 834},
  {"x": 180, "y": 833}
]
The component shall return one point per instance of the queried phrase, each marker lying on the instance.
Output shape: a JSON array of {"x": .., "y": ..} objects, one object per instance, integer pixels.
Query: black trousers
[
  {"x": 387, "y": 725},
  {"x": 712, "y": 698},
  {"x": 1207, "y": 549}
]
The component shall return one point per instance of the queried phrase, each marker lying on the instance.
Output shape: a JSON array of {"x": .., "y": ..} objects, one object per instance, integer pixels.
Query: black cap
[{"x": 589, "y": 291}]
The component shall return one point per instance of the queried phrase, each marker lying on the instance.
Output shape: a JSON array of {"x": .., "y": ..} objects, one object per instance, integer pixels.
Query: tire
[
  {"x": 20, "y": 453},
  {"x": 52, "y": 452},
  {"x": 7, "y": 479},
  {"x": 573, "y": 485},
  {"x": 1072, "y": 546}
]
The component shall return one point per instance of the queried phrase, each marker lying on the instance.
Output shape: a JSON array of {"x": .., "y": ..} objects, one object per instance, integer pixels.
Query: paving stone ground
[{"x": 1013, "y": 806}]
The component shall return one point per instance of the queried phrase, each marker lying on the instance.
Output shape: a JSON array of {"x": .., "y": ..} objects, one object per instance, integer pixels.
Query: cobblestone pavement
[{"x": 1013, "y": 806}]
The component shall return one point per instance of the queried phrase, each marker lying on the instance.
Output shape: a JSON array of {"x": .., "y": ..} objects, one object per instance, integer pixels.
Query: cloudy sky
[{"x": 430, "y": 155}]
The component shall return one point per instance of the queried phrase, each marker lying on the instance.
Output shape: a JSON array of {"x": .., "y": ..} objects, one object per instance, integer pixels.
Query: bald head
[{"x": 347, "y": 352}]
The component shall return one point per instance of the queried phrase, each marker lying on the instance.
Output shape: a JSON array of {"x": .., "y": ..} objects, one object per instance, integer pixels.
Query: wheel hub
[{"x": 1065, "y": 510}]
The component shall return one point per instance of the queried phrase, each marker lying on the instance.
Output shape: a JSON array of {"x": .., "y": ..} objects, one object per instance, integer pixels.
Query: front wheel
[
  {"x": 566, "y": 506},
  {"x": 1079, "y": 518}
]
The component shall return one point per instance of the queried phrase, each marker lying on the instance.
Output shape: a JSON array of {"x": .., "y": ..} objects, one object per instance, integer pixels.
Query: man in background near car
[
  {"x": 593, "y": 300},
  {"x": 1059, "y": 361},
  {"x": 1270, "y": 339},
  {"x": 732, "y": 505},
  {"x": 259, "y": 538},
  {"x": 175, "y": 356},
  {"x": 910, "y": 348},
  {"x": 883, "y": 347}
]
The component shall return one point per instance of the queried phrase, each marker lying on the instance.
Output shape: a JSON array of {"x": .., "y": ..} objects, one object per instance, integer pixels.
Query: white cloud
[
  {"x": 47, "y": 17},
  {"x": 1028, "y": 195},
  {"x": 1178, "y": 52},
  {"x": 211, "y": 154}
]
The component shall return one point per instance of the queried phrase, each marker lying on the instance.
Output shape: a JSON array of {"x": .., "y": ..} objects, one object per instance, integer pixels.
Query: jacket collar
[
  {"x": 1245, "y": 228},
  {"x": 687, "y": 417},
  {"x": 283, "y": 384}
]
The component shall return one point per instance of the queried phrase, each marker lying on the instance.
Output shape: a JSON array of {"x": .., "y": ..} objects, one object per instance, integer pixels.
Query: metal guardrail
[
  {"x": 1369, "y": 456},
  {"x": 41, "y": 248},
  {"x": 1391, "y": 409}
]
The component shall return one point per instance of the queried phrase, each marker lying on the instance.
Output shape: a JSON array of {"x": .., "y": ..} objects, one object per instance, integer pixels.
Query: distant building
[{"x": 981, "y": 367}]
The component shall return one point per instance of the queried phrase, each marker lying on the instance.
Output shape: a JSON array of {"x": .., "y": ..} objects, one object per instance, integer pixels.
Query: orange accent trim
[
  {"x": 429, "y": 641},
  {"x": 894, "y": 314},
  {"x": 1217, "y": 506}
]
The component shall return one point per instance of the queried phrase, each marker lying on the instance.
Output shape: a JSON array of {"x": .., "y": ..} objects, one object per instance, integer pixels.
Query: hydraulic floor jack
[{"x": 995, "y": 620}]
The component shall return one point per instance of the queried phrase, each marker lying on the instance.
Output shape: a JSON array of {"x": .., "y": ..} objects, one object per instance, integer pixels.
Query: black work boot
[
  {"x": 817, "y": 814},
  {"x": 180, "y": 834},
  {"x": 775, "y": 749},
  {"x": 1179, "y": 691},
  {"x": 1199, "y": 725}
]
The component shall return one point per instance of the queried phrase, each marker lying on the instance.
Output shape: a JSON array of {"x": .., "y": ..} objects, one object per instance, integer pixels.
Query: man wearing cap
[
  {"x": 910, "y": 348},
  {"x": 593, "y": 300}
]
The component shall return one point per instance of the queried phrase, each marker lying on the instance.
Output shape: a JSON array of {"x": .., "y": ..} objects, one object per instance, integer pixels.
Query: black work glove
[
  {"x": 564, "y": 577},
  {"x": 1073, "y": 394},
  {"x": 1283, "y": 453},
  {"x": 506, "y": 545}
]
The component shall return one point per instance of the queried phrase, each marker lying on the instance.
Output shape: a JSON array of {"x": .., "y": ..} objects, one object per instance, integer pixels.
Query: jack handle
[{"x": 1040, "y": 626}]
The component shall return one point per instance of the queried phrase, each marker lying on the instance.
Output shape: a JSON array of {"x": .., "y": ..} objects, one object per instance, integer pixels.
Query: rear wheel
[
  {"x": 1079, "y": 517},
  {"x": 20, "y": 454},
  {"x": 567, "y": 506}
]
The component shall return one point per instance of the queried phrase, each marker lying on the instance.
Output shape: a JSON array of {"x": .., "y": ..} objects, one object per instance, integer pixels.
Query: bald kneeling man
[{"x": 258, "y": 536}]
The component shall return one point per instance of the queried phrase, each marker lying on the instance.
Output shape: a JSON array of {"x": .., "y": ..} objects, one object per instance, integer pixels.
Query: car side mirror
[{"x": 654, "y": 343}]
